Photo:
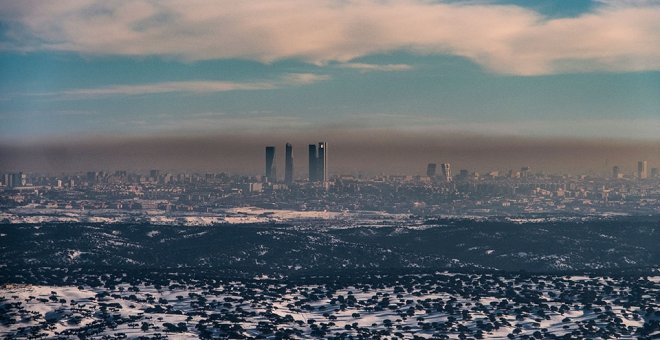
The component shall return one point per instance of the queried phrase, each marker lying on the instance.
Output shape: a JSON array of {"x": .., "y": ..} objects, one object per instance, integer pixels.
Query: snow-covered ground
[
  {"x": 426, "y": 306},
  {"x": 239, "y": 215}
]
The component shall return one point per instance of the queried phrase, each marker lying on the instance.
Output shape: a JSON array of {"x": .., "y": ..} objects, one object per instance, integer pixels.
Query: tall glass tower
[
  {"x": 270, "y": 164},
  {"x": 288, "y": 164},
  {"x": 322, "y": 162},
  {"x": 312, "y": 163}
]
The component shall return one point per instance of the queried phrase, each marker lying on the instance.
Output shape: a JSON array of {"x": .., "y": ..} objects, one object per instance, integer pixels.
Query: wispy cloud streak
[{"x": 191, "y": 87}]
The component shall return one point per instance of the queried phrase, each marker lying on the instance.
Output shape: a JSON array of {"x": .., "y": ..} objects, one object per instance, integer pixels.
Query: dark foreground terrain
[
  {"x": 443, "y": 278},
  {"x": 601, "y": 246}
]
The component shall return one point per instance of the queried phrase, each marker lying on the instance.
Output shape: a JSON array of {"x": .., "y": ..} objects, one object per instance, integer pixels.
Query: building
[
  {"x": 616, "y": 172},
  {"x": 271, "y": 175},
  {"x": 14, "y": 180},
  {"x": 318, "y": 162},
  {"x": 154, "y": 174},
  {"x": 642, "y": 170},
  {"x": 322, "y": 162},
  {"x": 513, "y": 174},
  {"x": 312, "y": 162},
  {"x": 430, "y": 169},
  {"x": 463, "y": 174},
  {"x": 91, "y": 177},
  {"x": 288, "y": 164},
  {"x": 446, "y": 171},
  {"x": 524, "y": 172},
  {"x": 654, "y": 172}
]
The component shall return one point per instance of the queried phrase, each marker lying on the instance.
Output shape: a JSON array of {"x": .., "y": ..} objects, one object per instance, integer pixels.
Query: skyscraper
[
  {"x": 322, "y": 162},
  {"x": 270, "y": 164},
  {"x": 430, "y": 170},
  {"x": 642, "y": 170},
  {"x": 616, "y": 172},
  {"x": 446, "y": 171},
  {"x": 288, "y": 164},
  {"x": 312, "y": 163}
]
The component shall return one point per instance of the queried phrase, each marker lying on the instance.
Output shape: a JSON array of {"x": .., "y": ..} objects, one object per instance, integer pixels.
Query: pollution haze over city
[{"x": 290, "y": 169}]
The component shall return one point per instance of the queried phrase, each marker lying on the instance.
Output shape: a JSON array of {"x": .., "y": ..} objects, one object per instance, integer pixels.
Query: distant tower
[
  {"x": 616, "y": 172},
  {"x": 312, "y": 162},
  {"x": 446, "y": 171},
  {"x": 322, "y": 162},
  {"x": 270, "y": 164},
  {"x": 154, "y": 174},
  {"x": 524, "y": 172},
  {"x": 288, "y": 164},
  {"x": 642, "y": 170},
  {"x": 91, "y": 177},
  {"x": 430, "y": 170}
]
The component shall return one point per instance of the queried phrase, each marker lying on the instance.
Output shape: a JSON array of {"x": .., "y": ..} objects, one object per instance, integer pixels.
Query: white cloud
[
  {"x": 200, "y": 87},
  {"x": 375, "y": 67},
  {"x": 616, "y": 36},
  {"x": 304, "y": 78}
]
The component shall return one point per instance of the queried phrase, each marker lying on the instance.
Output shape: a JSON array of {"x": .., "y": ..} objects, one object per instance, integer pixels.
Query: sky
[{"x": 564, "y": 85}]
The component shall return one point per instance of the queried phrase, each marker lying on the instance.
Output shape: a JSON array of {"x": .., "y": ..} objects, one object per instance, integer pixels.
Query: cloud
[
  {"x": 615, "y": 36},
  {"x": 199, "y": 87},
  {"x": 304, "y": 78},
  {"x": 375, "y": 67},
  {"x": 628, "y": 3}
]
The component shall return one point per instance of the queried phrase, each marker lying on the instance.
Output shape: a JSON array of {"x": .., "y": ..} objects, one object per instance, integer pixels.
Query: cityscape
[
  {"x": 329, "y": 169},
  {"x": 512, "y": 192}
]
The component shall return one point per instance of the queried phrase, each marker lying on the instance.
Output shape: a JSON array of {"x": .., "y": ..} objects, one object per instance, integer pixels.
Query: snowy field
[
  {"x": 441, "y": 305},
  {"x": 242, "y": 215}
]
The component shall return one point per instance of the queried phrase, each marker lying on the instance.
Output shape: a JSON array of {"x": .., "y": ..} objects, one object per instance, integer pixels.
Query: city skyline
[{"x": 353, "y": 155}]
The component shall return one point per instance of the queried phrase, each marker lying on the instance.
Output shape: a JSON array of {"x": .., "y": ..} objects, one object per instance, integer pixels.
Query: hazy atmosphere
[
  {"x": 368, "y": 152},
  {"x": 558, "y": 85}
]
